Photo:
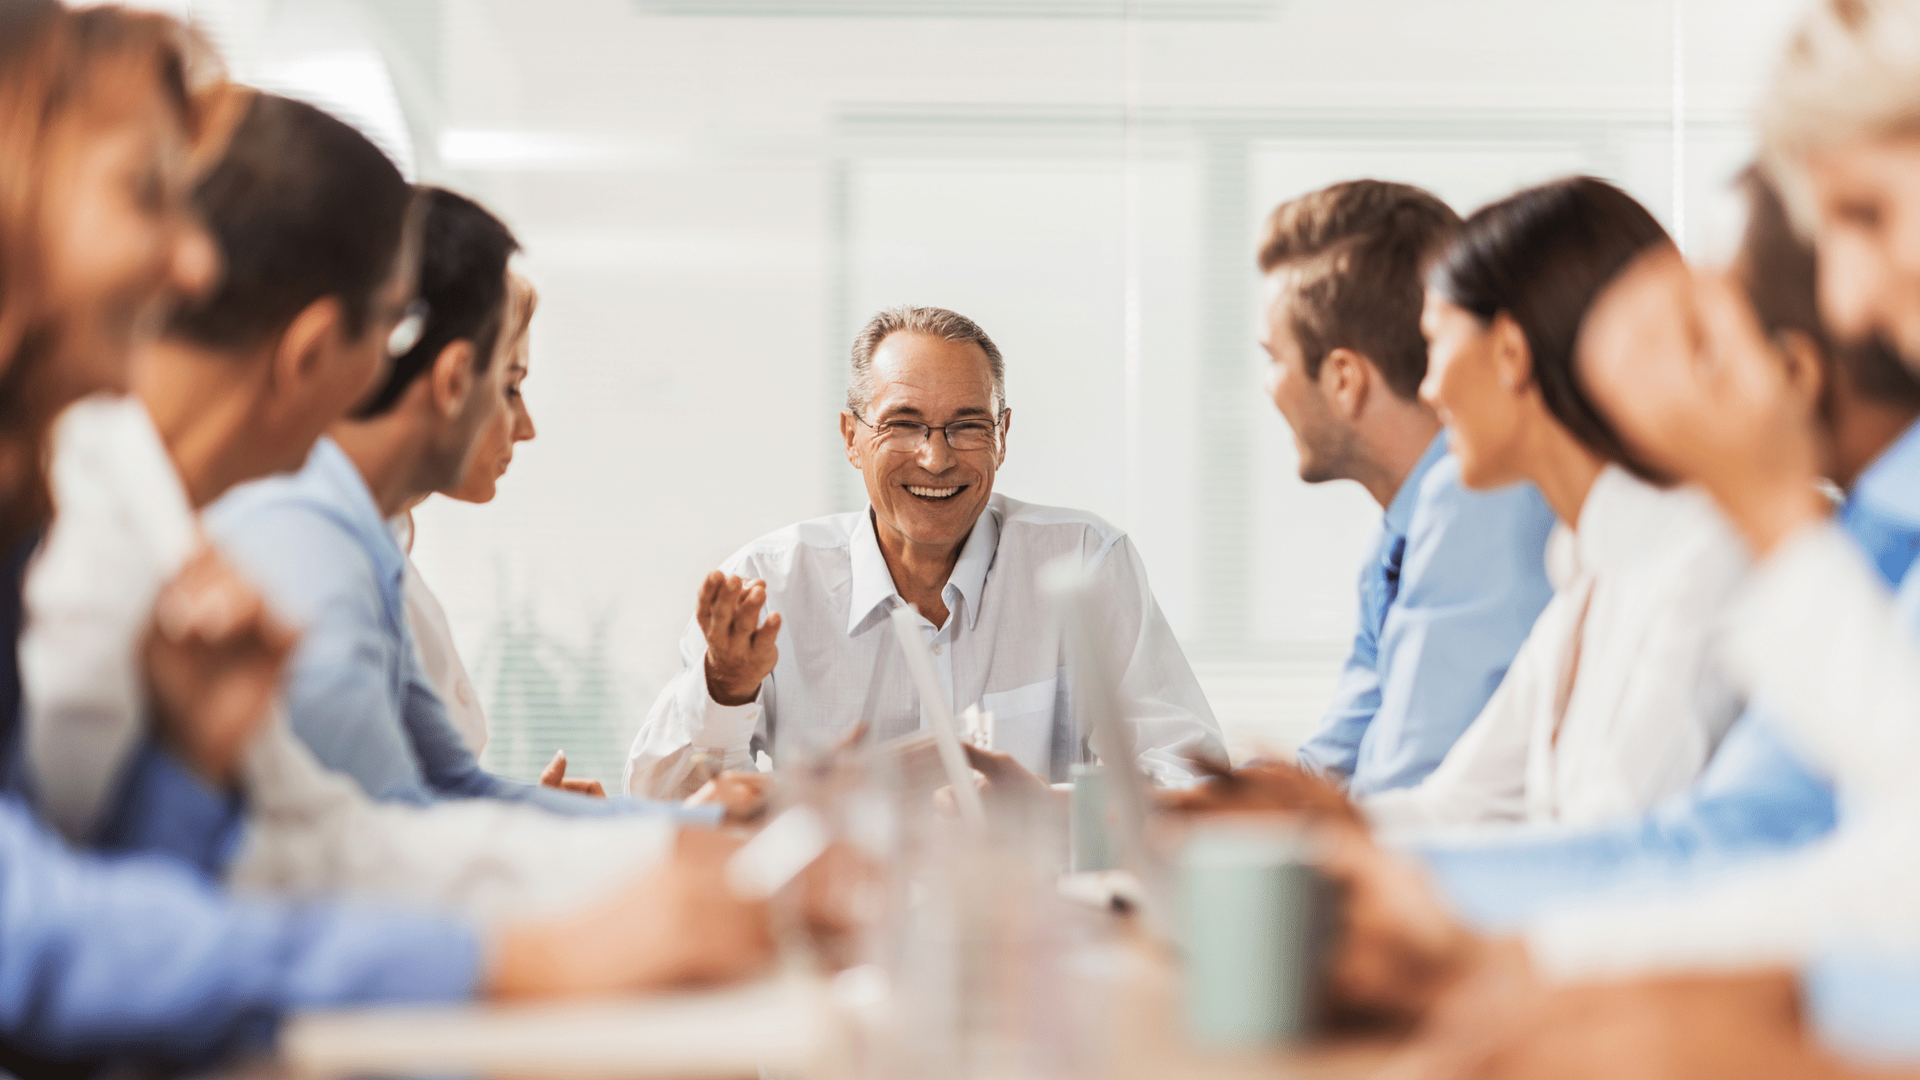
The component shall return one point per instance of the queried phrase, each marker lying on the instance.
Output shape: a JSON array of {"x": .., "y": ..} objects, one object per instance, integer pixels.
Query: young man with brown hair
[{"x": 1457, "y": 577}]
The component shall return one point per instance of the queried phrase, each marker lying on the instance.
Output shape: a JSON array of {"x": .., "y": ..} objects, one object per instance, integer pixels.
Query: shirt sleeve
[
  {"x": 340, "y": 687},
  {"x": 1817, "y": 637},
  {"x": 1754, "y": 799},
  {"x": 1334, "y": 748},
  {"x": 1172, "y": 721},
  {"x": 1483, "y": 777},
  {"x": 1861, "y": 1004},
  {"x": 313, "y": 833},
  {"x": 129, "y": 957},
  {"x": 1850, "y": 890},
  {"x": 1472, "y": 582},
  {"x": 164, "y": 808},
  {"x": 686, "y": 725}
]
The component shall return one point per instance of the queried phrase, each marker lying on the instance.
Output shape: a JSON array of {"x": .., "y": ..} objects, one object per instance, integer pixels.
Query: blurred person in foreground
[
  {"x": 135, "y": 959},
  {"x": 1458, "y": 576},
  {"x": 243, "y": 383},
  {"x": 927, "y": 424}
]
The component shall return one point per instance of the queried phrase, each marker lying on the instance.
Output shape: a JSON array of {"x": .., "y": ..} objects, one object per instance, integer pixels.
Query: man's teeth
[{"x": 933, "y": 493}]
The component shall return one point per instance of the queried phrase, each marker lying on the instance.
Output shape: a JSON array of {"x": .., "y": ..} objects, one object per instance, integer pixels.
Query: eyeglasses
[
  {"x": 907, "y": 436},
  {"x": 409, "y": 330}
]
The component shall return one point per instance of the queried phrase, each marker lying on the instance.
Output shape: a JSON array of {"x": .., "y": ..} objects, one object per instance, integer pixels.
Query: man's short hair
[
  {"x": 303, "y": 207},
  {"x": 1358, "y": 250},
  {"x": 464, "y": 251},
  {"x": 932, "y": 321}
]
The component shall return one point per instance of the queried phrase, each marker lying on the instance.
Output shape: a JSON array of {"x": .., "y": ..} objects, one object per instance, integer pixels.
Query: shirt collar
[
  {"x": 332, "y": 476},
  {"x": 1400, "y": 510},
  {"x": 1891, "y": 485},
  {"x": 1620, "y": 513},
  {"x": 873, "y": 583}
]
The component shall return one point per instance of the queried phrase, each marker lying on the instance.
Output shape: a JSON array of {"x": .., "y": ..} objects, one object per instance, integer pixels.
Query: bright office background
[{"x": 714, "y": 194}]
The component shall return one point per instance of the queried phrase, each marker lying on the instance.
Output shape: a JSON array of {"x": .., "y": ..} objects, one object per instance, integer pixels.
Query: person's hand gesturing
[{"x": 740, "y": 649}]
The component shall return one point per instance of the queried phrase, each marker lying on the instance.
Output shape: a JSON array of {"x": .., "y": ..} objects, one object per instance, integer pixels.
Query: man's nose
[{"x": 935, "y": 455}]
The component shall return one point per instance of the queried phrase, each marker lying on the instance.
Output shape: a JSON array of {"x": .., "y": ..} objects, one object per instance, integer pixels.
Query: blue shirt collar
[
  {"x": 1400, "y": 511},
  {"x": 331, "y": 476},
  {"x": 873, "y": 583},
  {"x": 1891, "y": 485}
]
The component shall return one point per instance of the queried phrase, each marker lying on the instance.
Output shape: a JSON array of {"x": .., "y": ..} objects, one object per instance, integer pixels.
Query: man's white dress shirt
[
  {"x": 839, "y": 660},
  {"x": 1614, "y": 700},
  {"x": 1822, "y": 644},
  {"x": 310, "y": 832}
]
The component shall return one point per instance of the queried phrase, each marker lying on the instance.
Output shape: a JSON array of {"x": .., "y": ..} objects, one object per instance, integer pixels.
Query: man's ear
[
  {"x": 308, "y": 344},
  {"x": 1346, "y": 378},
  {"x": 1806, "y": 366},
  {"x": 1006, "y": 428},
  {"x": 452, "y": 378},
  {"x": 850, "y": 431}
]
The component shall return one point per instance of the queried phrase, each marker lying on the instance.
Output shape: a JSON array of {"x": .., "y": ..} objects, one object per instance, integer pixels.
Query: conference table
[{"x": 785, "y": 1025}]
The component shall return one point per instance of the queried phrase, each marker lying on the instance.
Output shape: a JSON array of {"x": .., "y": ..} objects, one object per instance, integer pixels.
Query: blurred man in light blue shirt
[{"x": 1457, "y": 577}]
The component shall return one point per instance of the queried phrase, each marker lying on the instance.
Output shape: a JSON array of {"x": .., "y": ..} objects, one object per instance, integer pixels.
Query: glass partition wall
[{"x": 714, "y": 195}]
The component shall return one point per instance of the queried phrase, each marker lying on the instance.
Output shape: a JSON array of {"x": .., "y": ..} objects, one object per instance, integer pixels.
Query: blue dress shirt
[
  {"x": 1456, "y": 581},
  {"x": 317, "y": 546},
  {"x": 136, "y": 956},
  {"x": 105, "y": 958},
  {"x": 1755, "y": 796}
]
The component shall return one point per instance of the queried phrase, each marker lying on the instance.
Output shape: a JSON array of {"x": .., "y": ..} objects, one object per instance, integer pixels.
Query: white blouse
[
  {"x": 438, "y": 657},
  {"x": 1816, "y": 634},
  {"x": 1614, "y": 700}
]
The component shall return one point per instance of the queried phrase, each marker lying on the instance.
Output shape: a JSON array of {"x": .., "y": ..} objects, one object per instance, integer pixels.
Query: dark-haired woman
[{"x": 1612, "y": 703}]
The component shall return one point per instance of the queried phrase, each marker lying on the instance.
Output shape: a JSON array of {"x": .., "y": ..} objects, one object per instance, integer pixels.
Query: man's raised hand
[{"x": 741, "y": 650}]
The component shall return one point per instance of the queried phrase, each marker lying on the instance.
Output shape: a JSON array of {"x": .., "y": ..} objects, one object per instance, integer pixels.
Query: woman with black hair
[{"x": 1612, "y": 703}]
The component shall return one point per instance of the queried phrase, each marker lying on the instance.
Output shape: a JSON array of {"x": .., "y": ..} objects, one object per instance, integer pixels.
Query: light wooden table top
[{"x": 786, "y": 1026}]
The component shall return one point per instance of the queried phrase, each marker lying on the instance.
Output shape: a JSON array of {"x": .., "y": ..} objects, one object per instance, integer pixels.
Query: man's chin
[{"x": 929, "y": 523}]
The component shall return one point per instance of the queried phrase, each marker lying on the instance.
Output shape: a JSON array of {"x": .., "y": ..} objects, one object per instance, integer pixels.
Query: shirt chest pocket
[{"x": 1023, "y": 720}]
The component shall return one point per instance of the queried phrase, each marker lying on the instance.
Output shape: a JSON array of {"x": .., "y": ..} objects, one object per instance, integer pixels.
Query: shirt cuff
[{"x": 725, "y": 727}]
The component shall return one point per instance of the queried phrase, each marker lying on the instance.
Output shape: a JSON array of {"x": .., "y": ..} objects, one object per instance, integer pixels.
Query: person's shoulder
[
  {"x": 271, "y": 499},
  {"x": 1698, "y": 527},
  {"x": 1017, "y": 514},
  {"x": 285, "y": 539},
  {"x": 1444, "y": 498},
  {"x": 1053, "y": 526}
]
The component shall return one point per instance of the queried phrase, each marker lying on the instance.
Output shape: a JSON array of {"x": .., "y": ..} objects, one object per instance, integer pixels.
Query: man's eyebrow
[{"x": 965, "y": 412}]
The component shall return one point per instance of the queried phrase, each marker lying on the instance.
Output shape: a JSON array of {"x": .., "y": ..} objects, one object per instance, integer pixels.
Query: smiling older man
[{"x": 926, "y": 424}]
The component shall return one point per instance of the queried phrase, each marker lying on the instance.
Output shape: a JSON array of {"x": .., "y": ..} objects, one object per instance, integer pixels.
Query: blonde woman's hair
[{"x": 1851, "y": 69}]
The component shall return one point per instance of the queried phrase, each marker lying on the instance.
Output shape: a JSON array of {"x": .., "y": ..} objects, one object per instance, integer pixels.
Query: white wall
[{"x": 713, "y": 203}]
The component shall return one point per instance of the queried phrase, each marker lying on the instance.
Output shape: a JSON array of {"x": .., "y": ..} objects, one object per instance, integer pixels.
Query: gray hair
[{"x": 932, "y": 321}]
